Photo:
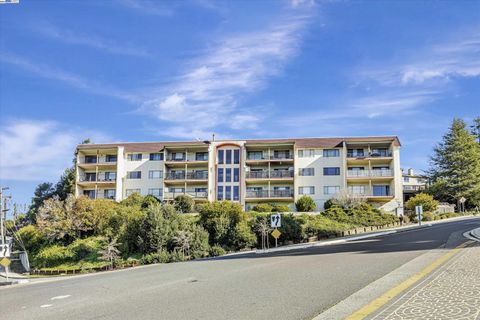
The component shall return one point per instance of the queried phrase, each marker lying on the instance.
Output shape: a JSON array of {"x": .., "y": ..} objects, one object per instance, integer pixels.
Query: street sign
[
  {"x": 462, "y": 200},
  {"x": 4, "y": 250},
  {"x": 275, "y": 221},
  {"x": 419, "y": 212},
  {"x": 5, "y": 262},
  {"x": 276, "y": 234}
]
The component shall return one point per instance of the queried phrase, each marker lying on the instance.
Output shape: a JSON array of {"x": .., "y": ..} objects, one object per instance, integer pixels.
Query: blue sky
[{"x": 126, "y": 70}]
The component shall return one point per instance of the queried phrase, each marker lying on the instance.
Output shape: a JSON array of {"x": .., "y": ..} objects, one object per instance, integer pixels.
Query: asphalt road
[{"x": 296, "y": 284}]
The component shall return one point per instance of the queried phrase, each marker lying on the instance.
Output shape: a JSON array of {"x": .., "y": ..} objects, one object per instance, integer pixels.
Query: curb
[{"x": 473, "y": 234}]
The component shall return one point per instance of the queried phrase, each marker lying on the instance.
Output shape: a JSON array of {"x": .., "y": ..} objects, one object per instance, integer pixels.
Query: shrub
[
  {"x": 429, "y": 204},
  {"x": 336, "y": 213},
  {"x": 242, "y": 236},
  {"x": 332, "y": 202},
  {"x": 305, "y": 204},
  {"x": 29, "y": 238},
  {"x": 184, "y": 203},
  {"x": 216, "y": 251},
  {"x": 291, "y": 228},
  {"x": 135, "y": 199},
  {"x": 263, "y": 207},
  {"x": 427, "y": 216},
  {"x": 86, "y": 248},
  {"x": 199, "y": 247},
  {"x": 149, "y": 200},
  {"x": 406, "y": 219},
  {"x": 317, "y": 225},
  {"x": 281, "y": 208},
  {"x": 52, "y": 256}
]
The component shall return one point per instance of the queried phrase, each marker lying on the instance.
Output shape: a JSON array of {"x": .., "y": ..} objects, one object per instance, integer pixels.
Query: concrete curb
[{"x": 473, "y": 234}]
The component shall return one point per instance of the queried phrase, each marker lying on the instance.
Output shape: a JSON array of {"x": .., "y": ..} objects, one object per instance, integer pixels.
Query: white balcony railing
[{"x": 369, "y": 173}]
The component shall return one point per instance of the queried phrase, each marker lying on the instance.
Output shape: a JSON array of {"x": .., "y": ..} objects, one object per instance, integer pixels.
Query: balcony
[
  {"x": 413, "y": 188},
  {"x": 265, "y": 156},
  {"x": 369, "y": 174},
  {"x": 86, "y": 180},
  {"x": 200, "y": 195},
  {"x": 272, "y": 174},
  {"x": 100, "y": 161},
  {"x": 191, "y": 175},
  {"x": 373, "y": 154},
  {"x": 266, "y": 194}
]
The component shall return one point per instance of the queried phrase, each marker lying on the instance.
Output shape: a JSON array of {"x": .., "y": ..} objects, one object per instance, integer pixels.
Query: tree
[
  {"x": 263, "y": 207},
  {"x": 43, "y": 192},
  {"x": 422, "y": 199},
  {"x": 184, "y": 203},
  {"x": 110, "y": 253},
  {"x": 455, "y": 165},
  {"x": 345, "y": 200},
  {"x": 182, "y": 241},
  {"x": 305, "y": 204},
  {"x": 476, "y": 128},
  {"x": 66, "y": 184}
]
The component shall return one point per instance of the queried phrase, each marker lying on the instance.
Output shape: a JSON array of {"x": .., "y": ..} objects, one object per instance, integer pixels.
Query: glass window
[
  {"x": 381, "y": 190},
  {"x": 129, "y": 192},
  {"x": 178, "y": 156},
  {"x": 110, "y": 176},
  {"x": 134, "y": 156},
  {"x": 134, "y": 175},
  {"x": 200, "y": 189},
  {"x": 89, "y": 193},
  {"x": 254, "y": 155},
  {"x": 331, "y": 153},
  {"x": 228, "y": 156},
  {"x": 307, "y": 153},
  {"x": 406, "y": 179},
  {"x": 157, "y": 192},
  {"x": 236, "y": 156},
  {"x": 220, "y": 156},
  {"x": 220, "y": 193},
  {"x": 236, "y": 193},
  {"x": 90, "y": 159},
  {"x": 201, "y": 156},
  {"x": 236, "y": 174},
  {"x": 331, "y": 171},
  {"x": 355, "y": 153},
  {"x": 220, "y": 174},
  {"x": 358, "y": 189},
  {"x": 109, "y": 194},
  {"x": 156, "y": 156},
  {"x": 307, "y": 172},
  {"x": 228, "y": 175},
  {"x": 155, "y": 174},
  {"x": 331, "y": 189},
  {"x": 111, "y": 158},
  {"x": 306, "y": 190},
  {"x": 228, "y": 193},
  {"x": 90, "y": 176}
]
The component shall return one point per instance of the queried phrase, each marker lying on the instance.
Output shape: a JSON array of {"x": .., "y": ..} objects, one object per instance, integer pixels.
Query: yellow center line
[{"x": 395, "y": 291}]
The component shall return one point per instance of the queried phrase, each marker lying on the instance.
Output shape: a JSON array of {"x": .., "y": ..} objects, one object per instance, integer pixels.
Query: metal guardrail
[
  {"x": 265, "y": 174},
  {"x": 189, "y": 176},
  {"x": 370, "y": 155},
  {"x": 369, "y": 173},
  {"x": 271, "y": 194}
]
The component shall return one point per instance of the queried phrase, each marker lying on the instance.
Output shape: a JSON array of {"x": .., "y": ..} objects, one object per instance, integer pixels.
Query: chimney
[{"x": 410, "y": 172}]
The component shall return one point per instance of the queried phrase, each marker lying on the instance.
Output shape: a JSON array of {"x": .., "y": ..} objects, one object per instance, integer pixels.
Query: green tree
[
  {"x": 456, "y": 165},
  {"x": 43, "y": 192},
  {"x": 66, "y": 184},
  {"x": 422, "y": 199},
  {"x": 184, "y": 203},
  {"x": 305, "y": 204},
  {"x": 476, "y": 128}
]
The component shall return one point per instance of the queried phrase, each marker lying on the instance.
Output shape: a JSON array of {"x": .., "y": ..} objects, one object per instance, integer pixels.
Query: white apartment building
[
  {"x": 246, "y": 171},
  {"x": 413, "y": 183}
]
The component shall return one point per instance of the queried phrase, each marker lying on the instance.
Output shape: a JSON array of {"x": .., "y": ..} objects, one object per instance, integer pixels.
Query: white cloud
[
  {"x": 68, "y": 78},
  {"x": 148, "y": 7},
  {"x": 38, "y": 150},
  {"x": 208, "y": 93},
  {"x": 71, "y": 37}
]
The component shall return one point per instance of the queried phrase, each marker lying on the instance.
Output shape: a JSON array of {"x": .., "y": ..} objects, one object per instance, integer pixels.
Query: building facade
[
  {"x": 412, "y": 184},
  {"x": 246, "y": 171}
]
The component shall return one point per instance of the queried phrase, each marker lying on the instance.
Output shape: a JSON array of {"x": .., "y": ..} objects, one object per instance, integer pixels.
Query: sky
[{"x": 145, "y": 70}]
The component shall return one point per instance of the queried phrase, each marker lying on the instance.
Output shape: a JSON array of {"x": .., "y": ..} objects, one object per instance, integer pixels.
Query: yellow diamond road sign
[
  {"x": 5, "y": 262},
  {"x": 276, "y": 233}
]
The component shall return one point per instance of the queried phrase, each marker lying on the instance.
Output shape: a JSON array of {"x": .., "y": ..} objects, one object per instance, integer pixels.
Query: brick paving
[{"x": 451, "y": 293}]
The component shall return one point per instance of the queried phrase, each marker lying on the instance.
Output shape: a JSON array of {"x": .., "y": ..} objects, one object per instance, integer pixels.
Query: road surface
[{"x": 295, "y": 284}]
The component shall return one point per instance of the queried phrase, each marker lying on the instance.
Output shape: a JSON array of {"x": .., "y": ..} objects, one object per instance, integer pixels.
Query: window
[
  {"x": 134, "y": 175},
  {"x": 380, "y": 152},
  {"x": 111, "y": 158},
  {"x": 381, "y": 190},
  {"x": 228, "y": 175},
  {"x": 89, "y": 193},
  {"x": 109, "y": 194},
  {"x": 228, "y": 156},
  {"x": 331, "y": 153},
  {"x": 306, "y": 190},
  {"x": 90, "y": 176},
  {"x": 331, "y": 189},
  {"x": 178, "y": 156},
  {"x": 155, "y": 174},
  {"x": 236, "y": 156},
  {"x": 228, "y": 193},
  {"x": 220, "y": 175},
  {"x": 156, "y": 192},
  {"x": 236, "y": 193},
  {"x": 201, "y": 156},
  {"x": 156, "y": 156},
  {"x": 306, "y": 171},
  {"x": 358, "y": 189},
  {"x": 255, "y": 155},
  {"x": 307, "y": 153},
  {"x": 406, "y": 179},
  {"x": 355, "y": 153},
  {"x": 331, "y": 171},
  {"x": 177, "y": 190},
  {"x": 220, "y": 193},
  {"x": 200, "y": 189},
  {"x": 220, "y": 156},
  {"x": 110, "y": 176},
  {"x": 236, "y": 174},
  {"x": 129, "y": 192},
  {"x": 90, "y": 159},
  {"x": 281, "y": 154},
  {"x": 134, "y": 157}
]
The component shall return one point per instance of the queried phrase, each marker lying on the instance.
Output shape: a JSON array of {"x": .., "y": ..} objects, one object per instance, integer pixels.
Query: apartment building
[
  {"x": 412, "y": 183},
  {"x": 246, "y": 171}
]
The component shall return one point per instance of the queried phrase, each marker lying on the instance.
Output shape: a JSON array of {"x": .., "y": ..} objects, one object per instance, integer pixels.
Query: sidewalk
[{"x": 451, "y": 292}]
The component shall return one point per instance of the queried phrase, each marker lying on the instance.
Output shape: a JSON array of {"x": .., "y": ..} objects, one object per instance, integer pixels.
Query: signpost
[
  {"x": 419, "y": 212},
  {"x": 462, "y": 204},
  {"x": 276, "y": 222}
]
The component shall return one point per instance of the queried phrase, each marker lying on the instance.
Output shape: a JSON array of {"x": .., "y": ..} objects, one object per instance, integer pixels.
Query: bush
[
  {"x": 53, "y": 256},
  {"x": 336, "y": 213},
  {"x": 199, "y": 247},
  {"x": 281, "y": 208},
  {"x": 423, "y": 199},
  {"x": 317, "y": 225},
  {"x": 332, "y": 202},
  {"x": 86, "y": 248},
  {"x": 135, "y": 199},
  {"x": 184, "y": 203},
  {"x": 29, "y": 238},
  {"x": 263, "y": 207},
  {"x": 305, "y": 204},
  {"x": 291, "y": 228},
  {"x": 149, "y": 200},
  {"x": 216, "y": 251},
  {"x": 427, "y": 216}
]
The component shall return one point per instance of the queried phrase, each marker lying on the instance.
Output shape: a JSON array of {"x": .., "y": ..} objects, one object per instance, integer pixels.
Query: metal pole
[{"x": 276, "y": 240}]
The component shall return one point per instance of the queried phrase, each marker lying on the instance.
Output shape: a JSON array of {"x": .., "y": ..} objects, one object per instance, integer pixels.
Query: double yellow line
[{"x": 392, "y": 293}]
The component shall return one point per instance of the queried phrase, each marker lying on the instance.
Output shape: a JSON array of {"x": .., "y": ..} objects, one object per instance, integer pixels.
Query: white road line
[
  {"x": 46, "y": 305},
  {"x": 60, "y": 297}
]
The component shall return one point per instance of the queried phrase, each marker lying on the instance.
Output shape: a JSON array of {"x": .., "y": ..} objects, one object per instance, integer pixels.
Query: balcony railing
[
  {"x": 266, "y": 156},
  {"x": 100, "y": 160},
  {"x": 97, "y": 179},
  {"x": 192, "y": 175},
  {"x": 369, "y": 173},
  {"x": 376, "y": 154},
  {"x": 272, "y": 194},
  {"x": 192, "y": 193},
  {"x": 265, "y": 174},
  {"x": 413, "y": 188},
  {"x": 185, "y": 159}
]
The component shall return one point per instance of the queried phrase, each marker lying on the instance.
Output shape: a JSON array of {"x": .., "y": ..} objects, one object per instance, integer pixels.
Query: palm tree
[{"x": 111, "y": 252}]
